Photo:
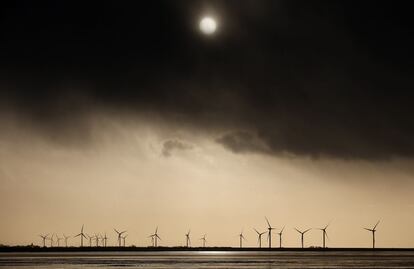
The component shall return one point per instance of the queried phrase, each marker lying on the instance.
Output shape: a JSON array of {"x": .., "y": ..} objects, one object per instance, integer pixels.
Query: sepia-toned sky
[{"x": 126, "y": 116}]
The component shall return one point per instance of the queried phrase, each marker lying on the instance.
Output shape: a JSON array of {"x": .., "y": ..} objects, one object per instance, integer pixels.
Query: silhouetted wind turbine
[
  {"x": 155, "y": 237},
  {"x": 105, "y": 239},
  {"x": 97, "y": 240},
  {"x": 58, "y": 240},
  {"x": 66, "y": 240},
  {"x": 44, "y": 238},
  {"x": 119, "y": 236},
  {"x": 82, "y": 235},
  {"x": 90, "y": 239},
  {"x": 373, "y": 230},
  {"x": 324, "y": 234},
  {"x": 51, "y": 240},
  {"x": 302, "y": 234},
  {"x": 241, "y": 237},
  {"x": 187, "y": 239},
  {"x": 280, "y": 237},
  {"x": 259, "y": 239},
  {"x": 123, "y": 238},
  {"x": 152, "y": 239},
  {"x": 204, "y": 240},
  {"x": 269, "y": 235}
]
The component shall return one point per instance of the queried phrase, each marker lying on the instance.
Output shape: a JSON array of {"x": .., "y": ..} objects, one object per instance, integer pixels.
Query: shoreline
[{"x": 37, "y": 249}]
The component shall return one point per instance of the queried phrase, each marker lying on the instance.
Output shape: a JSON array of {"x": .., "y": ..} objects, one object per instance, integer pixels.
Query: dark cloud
[
  {"x": 242, "y": 142},
  {"x": 170, "y": 146},
  {"x": 309, "y": 78}
]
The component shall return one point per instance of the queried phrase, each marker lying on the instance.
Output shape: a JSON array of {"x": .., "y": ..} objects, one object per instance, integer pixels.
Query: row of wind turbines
[{"x": 101, "y": 241}]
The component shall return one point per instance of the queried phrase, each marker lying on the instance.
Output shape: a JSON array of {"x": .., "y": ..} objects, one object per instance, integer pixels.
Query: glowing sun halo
[{"x": 208, "y": 25}]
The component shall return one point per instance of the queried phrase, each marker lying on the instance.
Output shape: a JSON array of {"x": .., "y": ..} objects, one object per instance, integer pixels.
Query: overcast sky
[{"x": 126, "y": 115}]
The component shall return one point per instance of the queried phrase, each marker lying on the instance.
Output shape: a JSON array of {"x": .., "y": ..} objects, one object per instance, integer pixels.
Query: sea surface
[{"x": 210, "y": 259}]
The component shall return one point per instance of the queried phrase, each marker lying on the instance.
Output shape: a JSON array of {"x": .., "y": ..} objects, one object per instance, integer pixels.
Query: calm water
[{"x": 160, "y": 260}]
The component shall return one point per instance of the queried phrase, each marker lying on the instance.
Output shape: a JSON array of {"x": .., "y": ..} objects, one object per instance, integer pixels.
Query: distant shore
[{"x": 6, "y": 249}]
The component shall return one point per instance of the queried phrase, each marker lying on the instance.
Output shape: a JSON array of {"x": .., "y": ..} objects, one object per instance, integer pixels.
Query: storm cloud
[
  {"x": 327, "y": 78},
  {"x": 172, "y": 145}
]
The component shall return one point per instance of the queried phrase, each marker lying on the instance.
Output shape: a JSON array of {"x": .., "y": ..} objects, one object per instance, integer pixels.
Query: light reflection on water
[{"x": 208, "y": 260}]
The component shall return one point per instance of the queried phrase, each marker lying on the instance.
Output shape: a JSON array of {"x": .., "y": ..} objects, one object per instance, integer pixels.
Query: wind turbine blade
[
  {"x": 256, "y": 231},
  {"x": 368, "y": 229},
  {"x": 298, "y": 230},
  {"x": 156, "y": 229},
  {"x": 282, "y": 230},
  {"x": 116, "y": 231},
  {"x": 158, "y": 237},
  {"x": 307, "y": 230},
  {"x": 268, "y": 223},
  {"x": 376, "y": 225}
]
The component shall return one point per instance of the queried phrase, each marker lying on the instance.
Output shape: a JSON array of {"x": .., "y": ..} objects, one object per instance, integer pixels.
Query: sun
[{"x": 208, "y": 25}]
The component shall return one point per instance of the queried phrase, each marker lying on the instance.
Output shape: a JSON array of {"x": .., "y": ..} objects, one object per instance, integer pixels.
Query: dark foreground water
[{"x": 160, "y": 260}]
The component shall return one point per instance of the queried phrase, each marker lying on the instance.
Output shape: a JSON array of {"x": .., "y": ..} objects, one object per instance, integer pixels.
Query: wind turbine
[
  {"x": 90, "y": 239},
  {"x": 119, "y": 236},
  {"x": 280, "y": 237},
  {"x": 97, "y": 240},
  {"x": 104, "y": 239},
  {"x": 155, "y": 237},
  {"x": 123, "y": 238},
  {"x": 204, "y": 240},
  {"x": 152, "y": 239},
  {"x": 269, "y": 235},
  {"x": 259, "y": 240},
  {"x": 82, "y": 235},
  {"x": 66, "y": 240},
  {"x": 324, "y": 234},
  {"x": 241, "y": 237},
  {"x": 302, "y": 234},
  {"x": 51, "y": 240},
  {"x": 373, "y": 230},
  {"x": 44, "y": 238},
  {"x": 187, "y": 239},
  {"x": 58, "y": 240}
]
